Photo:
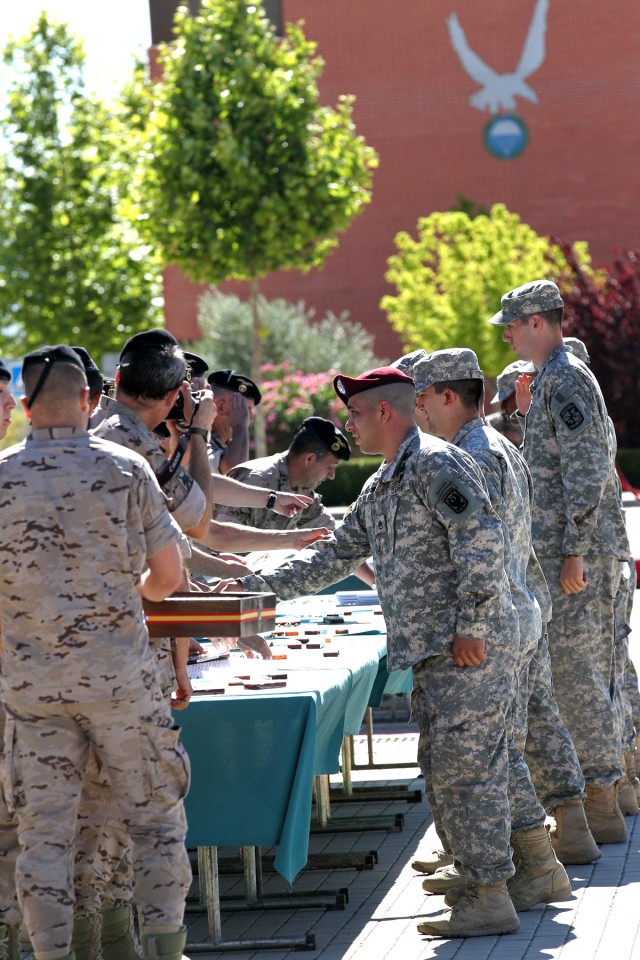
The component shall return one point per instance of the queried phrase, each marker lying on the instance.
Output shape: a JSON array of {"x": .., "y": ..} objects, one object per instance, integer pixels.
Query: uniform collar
[
  {"x": 411, "y": 440},
  {"x": 466, "y": 429},
  {"x": 57, "y": 433}
]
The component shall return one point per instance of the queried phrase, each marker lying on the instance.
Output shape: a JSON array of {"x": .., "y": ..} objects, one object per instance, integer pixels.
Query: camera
[
  {"x": 177, "y": 410},
  {"x": 109, "y": 388}
]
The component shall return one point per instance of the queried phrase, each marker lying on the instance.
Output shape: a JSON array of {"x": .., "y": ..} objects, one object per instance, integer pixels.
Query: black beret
[
  {"x": 148, "y": 340},
  {"x": 196, "y": 364},
  {"x": 87, "y": 360},
  {"x": 236, "y": 382},
  {"x": 347, "y": 387},
  {"x": 328, "y": 435},
  {"x": 5, "y": 373},
  {"x": 61, "y": 353}
]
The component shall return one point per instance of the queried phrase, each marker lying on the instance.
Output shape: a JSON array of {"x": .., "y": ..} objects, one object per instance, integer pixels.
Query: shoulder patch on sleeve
[
  {"x": 569, "y": 410},
  {"x": 452, "y": 497}
]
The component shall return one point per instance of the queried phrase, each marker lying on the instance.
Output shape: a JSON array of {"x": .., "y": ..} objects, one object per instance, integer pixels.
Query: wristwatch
[
  {"x": 271, "y": 502},
  {"x": 199, "y": 432}
]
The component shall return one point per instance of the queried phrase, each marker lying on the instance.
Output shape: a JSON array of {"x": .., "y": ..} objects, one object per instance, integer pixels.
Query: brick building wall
[{"x": 579, "y": 176}]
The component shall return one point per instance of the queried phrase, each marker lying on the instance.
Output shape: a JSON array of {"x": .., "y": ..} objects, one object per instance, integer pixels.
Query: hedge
[
  {"x": 628, "y": 459},
  {"x": 348, "y": 482}
]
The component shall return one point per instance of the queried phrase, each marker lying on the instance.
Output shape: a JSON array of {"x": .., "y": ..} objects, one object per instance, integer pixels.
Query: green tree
[
  {"x": 247, "y": 173},
  {"x": 292, "y": 335},
  {"x": 72, "y": 266},
  {"x": 451, "y": 278}
]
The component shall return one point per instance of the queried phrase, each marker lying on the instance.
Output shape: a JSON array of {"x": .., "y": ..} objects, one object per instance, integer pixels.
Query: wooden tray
[{"x": 211, "y": 615}]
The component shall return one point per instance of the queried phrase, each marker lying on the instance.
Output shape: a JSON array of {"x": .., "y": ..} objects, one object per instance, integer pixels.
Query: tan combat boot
[
  {"x": 571, "y": 840},
  {"x": 539, "y": 877},
  {"x": 164, "y": 946},
  {"x": 9, "y": 942},
  {"x": 118, "y": 940},
  {"x": 604, "y": 815},
  {"x": 85, "y": 938},
  {"x": 482, "y": 911},
  {"x": 630, "y": 761},
  {"x": 442, "y": 880},
  {"x": 437, "y": 859}
]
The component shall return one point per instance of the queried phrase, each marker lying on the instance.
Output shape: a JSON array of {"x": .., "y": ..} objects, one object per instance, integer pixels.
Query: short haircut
[
  {"x": 153, "y": 374},
  {"x": 552, "y": 317},
  {"x": 96, "y": 383},
  {"x": 62, "y": 378},
  {"x": 401, "y": 396},
  {"x": 469, "y": 391},
  {"x": 304, "y": 441}
]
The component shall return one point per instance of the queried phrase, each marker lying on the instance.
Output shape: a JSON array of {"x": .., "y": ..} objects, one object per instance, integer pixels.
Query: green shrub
[{"x": 349, "y": 480}]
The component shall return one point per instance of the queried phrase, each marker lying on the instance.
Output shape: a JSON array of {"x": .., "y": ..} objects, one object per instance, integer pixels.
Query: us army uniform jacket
[
  {"x": 568, "y": 447},
  {"x": 508, "y": 481},
  {"x": 438, "y": 549},
  {"x": 272, "y": 473}
]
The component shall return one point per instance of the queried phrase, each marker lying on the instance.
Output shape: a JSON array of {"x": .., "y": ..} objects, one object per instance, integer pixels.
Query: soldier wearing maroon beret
[{"x": 438, "y": 551}]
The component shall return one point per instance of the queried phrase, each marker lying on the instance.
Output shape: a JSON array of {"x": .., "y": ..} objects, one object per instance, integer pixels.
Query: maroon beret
[{"x": 347, "y": 387}]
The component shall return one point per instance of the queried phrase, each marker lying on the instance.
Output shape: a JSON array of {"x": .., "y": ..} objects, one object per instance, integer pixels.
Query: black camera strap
[{"x": 170, "y": 467}]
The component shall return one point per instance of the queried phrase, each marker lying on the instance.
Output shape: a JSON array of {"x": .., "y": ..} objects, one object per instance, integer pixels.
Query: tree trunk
[{"x": 259, "y": 432}]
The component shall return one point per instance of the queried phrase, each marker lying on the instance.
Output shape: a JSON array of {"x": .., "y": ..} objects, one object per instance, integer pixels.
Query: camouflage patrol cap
[
  {"x": 148, "y": 340},
  {"x": 506, "y": 382},
  {"x": 408, "y": 361},
  {"x": 533, "y": 297},
  {"x": 5, "y": 373},
  {"x": 328, "y": 435},
  {"x": 347, "y": 387},
  {"x": 458, "y": 363},
  {"x": 237, "y": 383},
  {"x": 578, "y": 349}
]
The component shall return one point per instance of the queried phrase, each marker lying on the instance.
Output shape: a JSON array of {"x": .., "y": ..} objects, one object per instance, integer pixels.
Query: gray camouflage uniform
[
  {"x": 438, "y": 550},
  {"x": 539, "y": 730},
  {"x": 576, "y": 512},
  {"x": 272, "y": 473},
  {"x": 78, "y": 671}
]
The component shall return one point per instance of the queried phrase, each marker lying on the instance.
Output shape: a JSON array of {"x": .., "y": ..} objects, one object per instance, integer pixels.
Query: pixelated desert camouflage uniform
[
  {"x": 272, "y": 473},
  {"x": 576, "y": 512},
  {"x": 438, "y": 550},
  {"x": 78, "y": 671}
]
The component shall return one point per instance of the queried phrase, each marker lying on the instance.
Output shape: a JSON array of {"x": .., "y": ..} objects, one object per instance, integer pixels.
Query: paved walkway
[{"x": 600, "y": 922}]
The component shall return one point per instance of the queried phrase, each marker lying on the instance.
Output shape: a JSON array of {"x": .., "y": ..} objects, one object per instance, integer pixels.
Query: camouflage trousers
[
  {"x": 526, "y": 810},
  {"x": 582, "y": 650},
  {"x": 461, "y": 714},
  {"x": 103, "y": 874},
  {"x": 46, "y": 754},
  {"x": 9, "y": 909},
  {"x": 549, "y": 750}
]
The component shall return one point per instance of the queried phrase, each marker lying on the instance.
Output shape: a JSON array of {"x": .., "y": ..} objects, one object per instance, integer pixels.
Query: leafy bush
[
  {"x": 289, "y": 396},
  {"x": 348, "y": 482},
  {"x": 290, "y": 335}
]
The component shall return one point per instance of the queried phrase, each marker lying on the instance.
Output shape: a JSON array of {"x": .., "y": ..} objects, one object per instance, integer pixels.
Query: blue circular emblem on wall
[{"x": 505, "y": 136}]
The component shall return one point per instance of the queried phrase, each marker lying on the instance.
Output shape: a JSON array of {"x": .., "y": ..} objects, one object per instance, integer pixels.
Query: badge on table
[{"x": 505, "y": 134}]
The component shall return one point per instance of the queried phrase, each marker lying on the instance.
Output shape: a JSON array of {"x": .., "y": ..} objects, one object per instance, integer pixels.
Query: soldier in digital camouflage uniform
[
  {"x": 438, "y": 551},
  {"x": 449, "y": 384},
  {"x": 579, "y": 537},
  {"x": 626, "y": 696},
  {"x": 77, "y": 667}
]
